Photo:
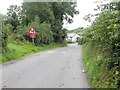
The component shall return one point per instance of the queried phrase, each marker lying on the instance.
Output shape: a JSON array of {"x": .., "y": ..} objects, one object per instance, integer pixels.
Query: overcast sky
[{"x": 84, "y": 6}]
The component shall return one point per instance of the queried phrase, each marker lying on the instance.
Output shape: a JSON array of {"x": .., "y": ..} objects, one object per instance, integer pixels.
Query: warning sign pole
[
  {"x": 32, "y": 34},
  {"x": 33, "y": 41}
]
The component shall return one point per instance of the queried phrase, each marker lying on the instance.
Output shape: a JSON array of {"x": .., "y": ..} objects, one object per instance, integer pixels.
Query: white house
[{"x": 72, "y": 37}]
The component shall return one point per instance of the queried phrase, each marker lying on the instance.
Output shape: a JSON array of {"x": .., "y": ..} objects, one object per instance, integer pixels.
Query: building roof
[{"x": 72, "y": 35}]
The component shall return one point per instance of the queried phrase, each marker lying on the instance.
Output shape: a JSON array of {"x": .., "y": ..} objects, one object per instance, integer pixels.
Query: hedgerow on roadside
[{"x": 102, "y": 58}]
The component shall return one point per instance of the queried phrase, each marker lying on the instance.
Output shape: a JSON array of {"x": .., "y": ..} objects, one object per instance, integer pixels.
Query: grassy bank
[
  {"x": 18, "y": 50},
  {"x": 96, "y": 69}
]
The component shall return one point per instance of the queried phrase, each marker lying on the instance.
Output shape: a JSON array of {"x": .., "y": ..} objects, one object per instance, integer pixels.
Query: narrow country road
[{"x": 57, "y": 68}]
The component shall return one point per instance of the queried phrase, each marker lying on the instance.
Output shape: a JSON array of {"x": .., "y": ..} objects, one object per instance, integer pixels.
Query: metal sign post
[{"x": 33, "y": 41}]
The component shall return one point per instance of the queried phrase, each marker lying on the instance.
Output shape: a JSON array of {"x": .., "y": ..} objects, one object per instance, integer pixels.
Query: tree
[
  {"x": 62, "y": 11},
  {"x": 33, "y": 9},
  {"x": 13, "y": 16},
  {"x": 43, "y": 32},
  {"x": 53, "y": 12}
]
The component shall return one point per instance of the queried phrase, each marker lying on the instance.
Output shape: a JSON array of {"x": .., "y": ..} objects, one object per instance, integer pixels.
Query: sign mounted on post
[{"x": 32, "y": 34}]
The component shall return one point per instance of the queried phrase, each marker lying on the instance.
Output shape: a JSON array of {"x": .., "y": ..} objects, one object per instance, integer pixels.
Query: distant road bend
[{"x": 57, "y": 68}]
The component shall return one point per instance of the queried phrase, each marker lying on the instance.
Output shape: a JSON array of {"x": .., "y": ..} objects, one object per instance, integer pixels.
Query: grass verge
[
  {"x": 18, "y": 50},
  {"x": 96, "y": 69}
]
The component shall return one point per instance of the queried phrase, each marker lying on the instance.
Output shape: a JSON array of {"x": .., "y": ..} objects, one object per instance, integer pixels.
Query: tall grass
[
  {"x": 96, "y": 69},
  {"x": 18, "y": 50}
]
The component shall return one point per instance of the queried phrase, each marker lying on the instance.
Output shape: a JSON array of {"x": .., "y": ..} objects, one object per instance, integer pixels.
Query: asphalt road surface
[{"x": 57, "y": 68}]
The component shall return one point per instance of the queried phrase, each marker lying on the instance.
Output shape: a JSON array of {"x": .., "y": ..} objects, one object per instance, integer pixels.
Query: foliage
[
  {"x": 19, "y": 49},
  {"x": 43, "y": 30},
  {"x": 82, "y": 32},
  {"x": 62, "y": 11},
  {"x": 33, "y": 9},
  {"x": 81, "y": 40},
  {"x": 97, "y": 73},
  {"x": 53, "y": 13},
  {"x": 8, "y": 28},
  {"x": 46, "y": 18},
  {"x": 44, "y": 33},
  {"x": 77, "y": 30},
  {"x": 13, "y": 16},
  {"x": 104, "y": 35},
  {"x": 1, "y": 31},
  {"x": 5, "y": 31}
]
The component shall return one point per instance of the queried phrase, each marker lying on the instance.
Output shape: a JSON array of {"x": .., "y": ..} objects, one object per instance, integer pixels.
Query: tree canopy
[
  {"x": 46, "y": 17},
  {"x": 53, "y": 13}
]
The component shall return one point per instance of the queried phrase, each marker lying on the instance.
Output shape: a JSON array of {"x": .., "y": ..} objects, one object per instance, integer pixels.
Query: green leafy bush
[
  {"x": 82, "y": 41},
  {"x": 43, "y": 31},
  {"x": 5, "y": 35},
  {"x": 104, "y": 36}
]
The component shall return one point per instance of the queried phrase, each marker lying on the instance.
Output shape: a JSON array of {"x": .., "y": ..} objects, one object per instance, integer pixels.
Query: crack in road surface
[{"x": 58, "y": 68}]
